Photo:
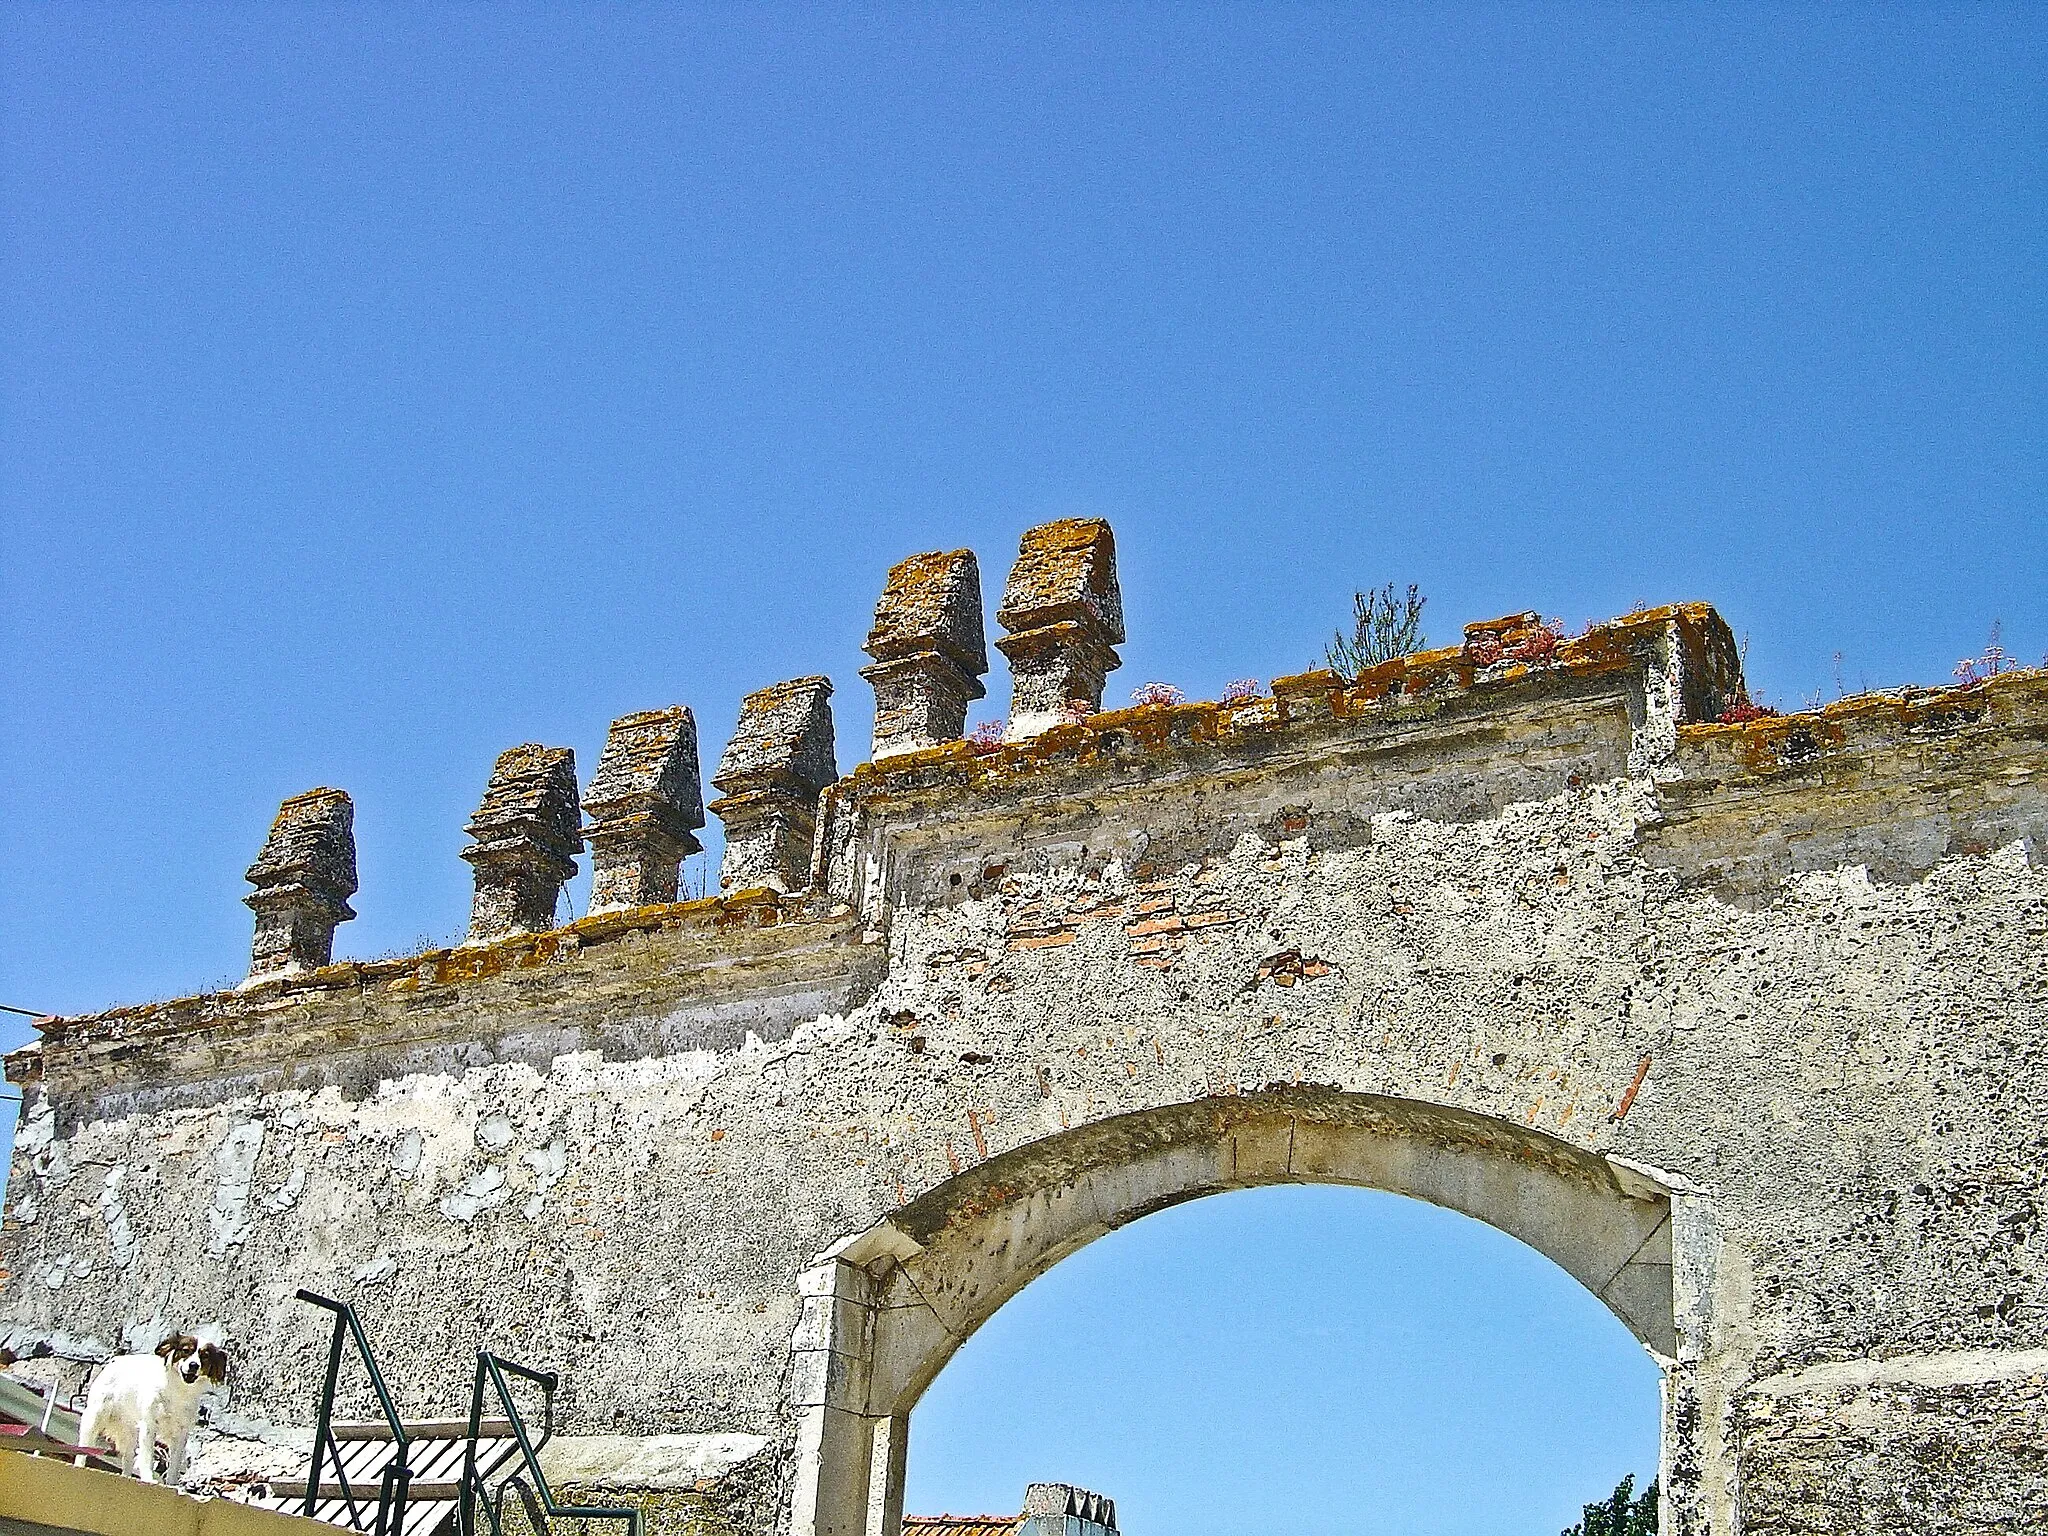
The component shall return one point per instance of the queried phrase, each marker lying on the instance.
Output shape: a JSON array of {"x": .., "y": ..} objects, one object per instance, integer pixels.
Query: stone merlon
[
  {"x": 527, "y": 834},
  {"x": 645, "y": 807},
  {"x": 1065, "y": 615},
  {"x": 928, "y": 650},
  {"x": 303, "y": 877},
  {"x": 779, "y": 759}
]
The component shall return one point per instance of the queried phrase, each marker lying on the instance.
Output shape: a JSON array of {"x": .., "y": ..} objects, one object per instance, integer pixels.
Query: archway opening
[
  {"x": 885, "y": 1309},
  {"x": 1318, "y": 1359}
]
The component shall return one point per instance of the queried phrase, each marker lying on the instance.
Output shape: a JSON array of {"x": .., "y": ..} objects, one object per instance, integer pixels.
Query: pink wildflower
[
  {"x": 1742, "y": 712},
  {"x": 1995, "y": 660}
]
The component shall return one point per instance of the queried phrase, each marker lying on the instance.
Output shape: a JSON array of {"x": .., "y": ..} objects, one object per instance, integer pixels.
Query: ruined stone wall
[{"x": 1787, "y": 976}]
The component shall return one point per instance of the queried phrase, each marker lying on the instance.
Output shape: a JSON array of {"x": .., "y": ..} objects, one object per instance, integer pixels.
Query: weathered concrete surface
[
  {"x": 1940, "y": 1442},
  {"x": 1746, "y": 1034},
  {"x": 43, "y": 1496}
]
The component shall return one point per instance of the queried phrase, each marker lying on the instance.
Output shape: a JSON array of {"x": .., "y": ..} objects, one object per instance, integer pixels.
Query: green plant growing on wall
[
  {"x": 1383, "y": 626},
  {"x": 1624, "y": 1512}
]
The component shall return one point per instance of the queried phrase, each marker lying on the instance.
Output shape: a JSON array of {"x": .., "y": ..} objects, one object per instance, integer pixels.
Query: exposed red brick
[
  {"x": 1628, "y": 1098},
  {"x": 1155, "y": 925}
]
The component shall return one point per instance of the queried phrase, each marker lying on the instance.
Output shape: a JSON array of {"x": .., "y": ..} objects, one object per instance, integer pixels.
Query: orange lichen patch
[
  {"x": 1065, "y": 571},
  {"x": 472, "y": 962},
  {"x": 1788, "y": 741},
  {"x": 781, "y": 693},
  {"x": 914, "y": 584},
  {"x": 927, "y": 604},
  {"x": 1780, "y": 742},
  {"x": 1403, "y": 688},
  {"x": 311, "y": 797},
  {"x": 601, "y": 926},
  {"x": 744, "y": 910},
  {"x": 1315, "y": 680}
]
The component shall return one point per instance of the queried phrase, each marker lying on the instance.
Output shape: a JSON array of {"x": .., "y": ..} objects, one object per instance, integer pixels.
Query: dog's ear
[
  {"x": 177, "y": 1346},
  {"x": 213, "y": 1360}
]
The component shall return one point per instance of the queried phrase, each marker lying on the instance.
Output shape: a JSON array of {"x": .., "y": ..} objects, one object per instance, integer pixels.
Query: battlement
[
  {"x": 1687, "y": 645},
  {"x": 1514, "y": 925},
  {"x": 423, "y": 1007},
  {"x": 1892, "y": 782},
  {"x": 806, "y": 849}
]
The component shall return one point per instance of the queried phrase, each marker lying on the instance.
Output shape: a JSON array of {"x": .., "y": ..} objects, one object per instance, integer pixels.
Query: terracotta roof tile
[{"x": 961, "y": 1525}]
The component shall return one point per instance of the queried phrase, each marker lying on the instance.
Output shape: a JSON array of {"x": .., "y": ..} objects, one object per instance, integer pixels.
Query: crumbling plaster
[{"x": 1526, "y": 946}]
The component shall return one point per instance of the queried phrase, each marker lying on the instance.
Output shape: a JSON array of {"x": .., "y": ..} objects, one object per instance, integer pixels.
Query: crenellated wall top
[{"x": 805, "y": 870}]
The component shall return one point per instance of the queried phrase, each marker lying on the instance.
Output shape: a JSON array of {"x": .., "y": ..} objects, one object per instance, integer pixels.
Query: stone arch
[{"x": 886, "y": 1309}]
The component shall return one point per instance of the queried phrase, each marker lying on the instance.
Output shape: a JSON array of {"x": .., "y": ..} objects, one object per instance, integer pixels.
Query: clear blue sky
[
  {"x": 385, "y": 386},
  {"x": 1327, "y": 1362}
]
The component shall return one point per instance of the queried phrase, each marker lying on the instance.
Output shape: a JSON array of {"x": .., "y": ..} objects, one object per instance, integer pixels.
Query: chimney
[
  {"x": 1064, "y": 614},
  {"x": 526, "y": 833},
  {"x": 303, "y": 877},
  {"x": 778, "y": 761},
  {"x": 1061, "y": 1509},
  {"x": 929, "y": 652},
  {"x": 645, "y": 807}
]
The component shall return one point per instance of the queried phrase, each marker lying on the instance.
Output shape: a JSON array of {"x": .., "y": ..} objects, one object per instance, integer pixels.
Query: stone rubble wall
[{"x": 1792, "y": 972}]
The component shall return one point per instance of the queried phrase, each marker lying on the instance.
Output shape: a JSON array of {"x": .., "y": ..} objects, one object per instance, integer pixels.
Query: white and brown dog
[{"x": 138, "y": 1400}]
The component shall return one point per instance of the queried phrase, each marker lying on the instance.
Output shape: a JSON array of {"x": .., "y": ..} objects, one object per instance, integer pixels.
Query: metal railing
[
  {"x": 397, "y": 1475},
  {"x": 537, "y": 1499}
]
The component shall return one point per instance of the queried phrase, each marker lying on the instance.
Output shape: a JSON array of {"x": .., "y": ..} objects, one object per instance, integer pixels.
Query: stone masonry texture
[
  {"x": 645, "y": 806},
  {"x": 526, "y": 835},
  {"x": 303, "y": 877},
  {"x": 1065, "y": 615},
  {"x": 928, "y": 650},
  {"x": 1743, "y": 1025},
  {"x": 779, "y": 757}
]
